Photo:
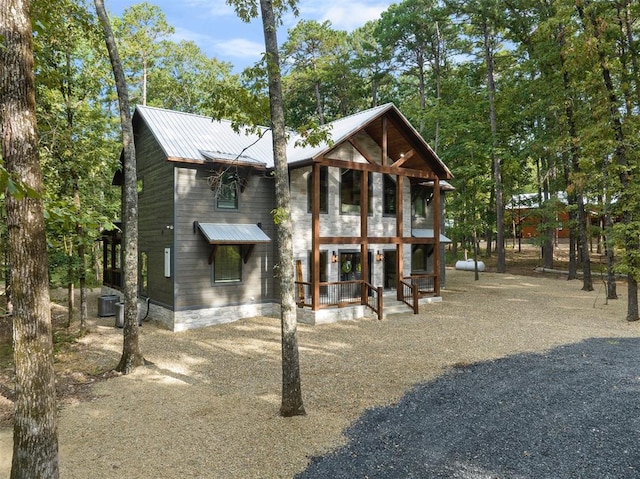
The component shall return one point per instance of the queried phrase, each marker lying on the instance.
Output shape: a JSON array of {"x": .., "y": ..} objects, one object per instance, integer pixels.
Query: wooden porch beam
[
  {"x": 390, "y": 170},
  {"x": 406, "y": 157},
  {"x": 362, "y": 151},
  {"x": 336, "y": 240}
]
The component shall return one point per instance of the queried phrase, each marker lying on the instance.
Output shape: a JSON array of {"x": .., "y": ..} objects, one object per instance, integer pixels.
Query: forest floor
[
  {"x": 78, "y": 366},
  {"x": 206, "y": 379}
]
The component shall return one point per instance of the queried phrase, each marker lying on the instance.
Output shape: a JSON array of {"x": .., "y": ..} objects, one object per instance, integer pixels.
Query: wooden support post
[
  {"x": 399, "y": 234},
  {"x": 315, "y": 237},
  {"x": 436, "y": 235},
  {"x": 364, "y": 230},
  {"x": 300, "y": 279}
]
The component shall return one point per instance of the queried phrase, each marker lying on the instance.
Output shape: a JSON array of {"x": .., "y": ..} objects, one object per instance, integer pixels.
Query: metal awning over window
[
  {"x": 428, "y": 233},
  {"x": 220, "y": 233}
]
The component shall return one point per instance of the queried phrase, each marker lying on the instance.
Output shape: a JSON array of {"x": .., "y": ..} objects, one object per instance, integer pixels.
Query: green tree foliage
[
  {"x": 140, "y": 32},
  {"x": 319, "y": 83}
]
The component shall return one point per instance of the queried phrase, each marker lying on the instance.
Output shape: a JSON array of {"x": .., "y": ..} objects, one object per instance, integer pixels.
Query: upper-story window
[
  {"x": 350, "y": 193},
  {"x": 323, "y": 266},
  {"x": 389, "y": 195},
  {"x": 421, "y": 197},
  {"x": 324, "y": 189},
  {"x": 227, "y": 191}
]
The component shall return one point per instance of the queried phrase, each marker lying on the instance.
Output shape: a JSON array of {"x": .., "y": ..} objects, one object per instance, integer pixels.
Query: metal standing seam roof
[
  {"x": 339, "y": 130},
  {"x": 428, "y": 233},
  {"x": 196, "y": 137},
  {"x": 222, "y": 233}
]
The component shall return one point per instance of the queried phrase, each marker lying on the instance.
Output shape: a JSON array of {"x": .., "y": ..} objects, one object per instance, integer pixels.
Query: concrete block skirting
[
  {"x": 200, "y": 318},
  {"x": 333, "y": 315}
]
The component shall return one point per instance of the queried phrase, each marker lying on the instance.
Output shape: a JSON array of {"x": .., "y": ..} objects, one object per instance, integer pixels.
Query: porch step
[{"x": 393, "y": 306}]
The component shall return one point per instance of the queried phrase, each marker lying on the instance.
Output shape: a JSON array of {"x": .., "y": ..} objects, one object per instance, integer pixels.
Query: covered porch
[{"x": 391, "y": 149}]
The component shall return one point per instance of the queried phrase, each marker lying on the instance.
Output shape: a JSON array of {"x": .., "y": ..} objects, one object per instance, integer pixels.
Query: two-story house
[{"x": 366, "y": 208}]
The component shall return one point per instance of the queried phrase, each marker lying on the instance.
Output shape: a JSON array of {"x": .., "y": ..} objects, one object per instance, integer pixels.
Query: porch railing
[
  {"x": 409, "y": 295},
  {"x": 426, "y": 283},
  {"x": 417, "y": 286},
  {"x": 340, "y": 294},
  {"x": 112, "y": 277}
]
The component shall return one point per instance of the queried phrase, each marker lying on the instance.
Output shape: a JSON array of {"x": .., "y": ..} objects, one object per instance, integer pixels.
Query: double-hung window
[{"x": 227, "y": 264}]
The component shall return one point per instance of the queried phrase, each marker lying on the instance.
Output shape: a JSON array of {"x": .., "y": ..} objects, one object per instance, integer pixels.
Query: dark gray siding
[
  {"x": 156, "y": 212},
  {"x": 195, "y": 202}
]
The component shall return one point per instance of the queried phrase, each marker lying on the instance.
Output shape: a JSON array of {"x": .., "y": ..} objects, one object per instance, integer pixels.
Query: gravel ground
[
  {"x": 572, "y": 412},
  {"x": 508, "y": 377}
]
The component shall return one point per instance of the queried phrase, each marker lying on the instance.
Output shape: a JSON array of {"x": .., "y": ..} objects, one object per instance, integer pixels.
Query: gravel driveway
[
  {"x": 508, "y": 377},
  {"x": 573, "y": 412}
]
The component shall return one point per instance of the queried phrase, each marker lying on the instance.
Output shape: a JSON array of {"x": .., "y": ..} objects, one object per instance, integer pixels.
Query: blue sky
[{"x": 215, "y": 28}]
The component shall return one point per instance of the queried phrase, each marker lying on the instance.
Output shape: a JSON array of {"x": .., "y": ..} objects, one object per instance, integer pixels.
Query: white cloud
[
  {"x": 240, "y": 48},
  {"x": 212, "y": 8},
  {"x": 199, "y": 39},
  {"x": 345, "y": 16},
  {"x": 352, "y": 16}
]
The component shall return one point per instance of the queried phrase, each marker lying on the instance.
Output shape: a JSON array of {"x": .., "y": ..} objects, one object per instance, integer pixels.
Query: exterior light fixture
[
  {"x": 334, "y": 257},
  {"x": 379, "y": 256}
]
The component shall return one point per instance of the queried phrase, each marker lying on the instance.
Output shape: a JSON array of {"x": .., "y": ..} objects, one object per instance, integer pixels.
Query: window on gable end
[
  {"x": 227, "y": 191},
  {"x": 389, "y": 195},
  {"x": 324, "y": 189},
  {"x": 350, "y": 193}
]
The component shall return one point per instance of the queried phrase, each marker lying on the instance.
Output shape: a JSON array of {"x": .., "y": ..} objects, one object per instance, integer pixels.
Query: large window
[
  {"x": 324, "y": 189},
  {"x": 323, "y": 266},
  {"x": 227, "y": 191},
  {"x": 350, "y": 194},
  {"x": 227, "y": 264},
  {"x": 420, "y": 258},
  {"x": 421, "y": 197},
  {"x": 389, "y": 195}
]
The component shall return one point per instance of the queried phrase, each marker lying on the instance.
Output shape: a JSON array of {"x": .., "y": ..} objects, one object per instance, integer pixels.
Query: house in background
[
  {"x": 367, "y": 213},
  {"x": 526, "y": 215}
]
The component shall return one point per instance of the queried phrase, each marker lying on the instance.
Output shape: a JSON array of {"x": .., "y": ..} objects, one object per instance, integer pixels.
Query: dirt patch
[{"x": 77, "y": 363}]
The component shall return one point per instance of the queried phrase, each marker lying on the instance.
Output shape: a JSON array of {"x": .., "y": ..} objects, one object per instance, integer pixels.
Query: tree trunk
[
  {"x": 587, "y": 282},
  {"x": 82, "y": 266},
  {"x": 131, "y": 356},
  {"x": 35, "y": 432},
  {"x": 626, "y": 197},
  {"x": 608, "y": 246},
  {"x": 501, "y": 265},
  {"x": 291, "y": 387}
]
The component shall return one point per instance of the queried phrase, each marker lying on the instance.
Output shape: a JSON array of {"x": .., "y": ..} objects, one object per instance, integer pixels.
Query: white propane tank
[{"x": 469, "y": 265}]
